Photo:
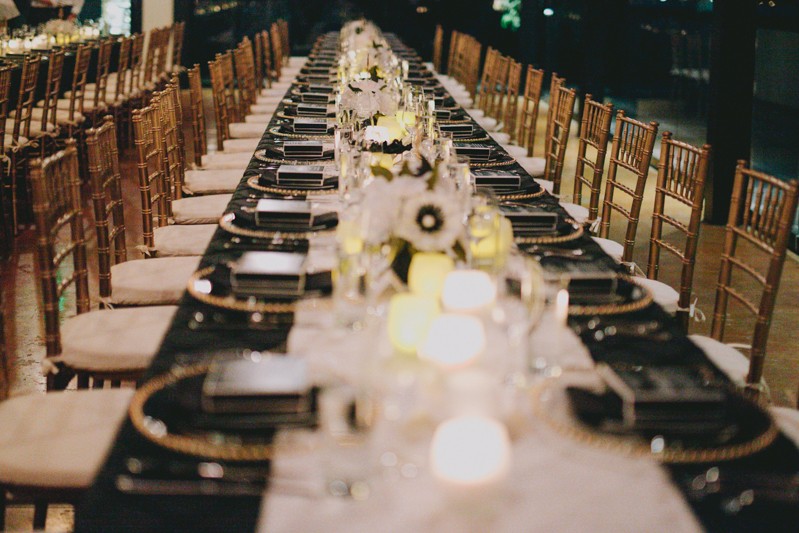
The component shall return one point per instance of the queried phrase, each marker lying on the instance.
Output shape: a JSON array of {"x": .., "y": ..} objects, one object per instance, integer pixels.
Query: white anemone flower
[{"x": 430, "y": 222}]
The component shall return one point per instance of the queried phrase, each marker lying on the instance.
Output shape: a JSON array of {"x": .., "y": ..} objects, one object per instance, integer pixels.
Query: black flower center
[{"x": 430, "y": 219}]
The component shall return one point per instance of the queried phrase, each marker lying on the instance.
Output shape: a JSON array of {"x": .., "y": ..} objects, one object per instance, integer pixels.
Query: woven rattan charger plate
[
  {"x": 227, "y": 223},
  {"x": 253, "y": 182}
]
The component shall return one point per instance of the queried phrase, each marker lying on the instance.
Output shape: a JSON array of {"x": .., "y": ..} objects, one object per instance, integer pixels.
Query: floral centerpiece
[{"x": 417, "y": 211}]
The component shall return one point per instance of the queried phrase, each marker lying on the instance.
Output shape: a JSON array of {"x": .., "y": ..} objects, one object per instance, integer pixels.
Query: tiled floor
[{"x": 24, "y": 326}]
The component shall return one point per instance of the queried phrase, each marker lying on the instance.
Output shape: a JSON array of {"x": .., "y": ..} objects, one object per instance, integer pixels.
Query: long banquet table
[{"x": 555, "y": 482}]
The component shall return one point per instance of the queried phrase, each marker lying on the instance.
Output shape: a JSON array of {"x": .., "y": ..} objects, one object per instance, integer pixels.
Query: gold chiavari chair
[
  {"x": 18, "y": 143},
  {"x": 554, "y": 83},
  {"x": 453, "y": 46},
  {"x": 680, "y": 184},
  {"x": 492, "y": 114},
  {"x": 200, "y": 209},
  {"x": 114, "y": 345},
  {"x": 438, "y": 43},
  {"x": 74, "y": 100},
  {"x": 178, "y": 33},
  {"x": 245, "y": 80},
  {"x": 6, "y": 211},
  {"x": 762, "y": 208},
  {"x": 160, "y": 236},
  {"x": 136, "y": 65},
  {"x": 154, "y": 281},
  {"x": 277, "y": 50},
  {"x": 238, "y": 126},
  {"x": 271, "y": 73},
  {"x": 163, "y": 56},
  {"x": 222, "y": 115},
  {"x": 96, "y": 103},
  {"x": 594, "y": 134},
  {"x": 510, "y": 112},
  {"x": 261, "y": 75},
  {"x": 558, "y": 135},
  {"x": 630, "y": 151},
  {"x": 525, "y": 134},
  {"x": 235, "y": 163},
  {"x": 52, "y": 445},
  {"x": 45, "y": 113},
  {"x": 484, "y": 91}
]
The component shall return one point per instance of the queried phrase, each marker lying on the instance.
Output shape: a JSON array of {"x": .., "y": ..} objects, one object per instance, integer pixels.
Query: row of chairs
[
  {"x": 73, "y": 431},
  {"x": 38, "y": 128},
  {"x": 762, "y": 206}
]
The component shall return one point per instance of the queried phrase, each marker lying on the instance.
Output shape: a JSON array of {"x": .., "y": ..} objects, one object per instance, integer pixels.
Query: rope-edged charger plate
[
  {"x": 627, "y": 297},
  {"x": 254, "y": 182},
  {"x": 271, "y": 157},
  {"x": 167, "y": 411},
  {"x": 748, "y": 429},
  {"x": 228, "y": 222},
  {"x": 209, "y": 286}
]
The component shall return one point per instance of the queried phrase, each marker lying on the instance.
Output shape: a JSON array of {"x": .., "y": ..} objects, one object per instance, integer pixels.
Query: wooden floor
[{"x": 24, "y": 325}]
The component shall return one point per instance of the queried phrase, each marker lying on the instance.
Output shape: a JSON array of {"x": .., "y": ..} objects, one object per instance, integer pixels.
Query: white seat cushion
[
  {"x": 665, "y": 296},
  {"x": 788, "y": 421},
  {"x": 182, "y": 240},
  {"x": 233, "y": 146},
  {"x": 612, "y": 248},
  {"x": 247, "y": 130},
  {"x": 476, "y": 113},
  {"x": 61, "y": 115},
  {"x": 258, "y": 118},
  {"x": 297, "y": 61},
  {"x": 577, "y": 212},
  {"x": 9, "y": 141},
  {"x": 263, "y": 109},
  {"x": 36, "y": 127},
  {"x": 59, "y": 439},
  {"x": 534, "y": 166},
  {"x": 488, "y": 123},
  {"x": 273, "y": 97},
  {"x": 464, "y": 101},
  {"x": 546, "y": 185},
  {"x": 221, "y": 160},
  {"x": 156, "y": 281},
  {"x": 200, "y": 209},
  {"x": 118, "y": 340},
  {"x": 501, "y": 137},
  {"x": 214, "y": 181},
  {"x": 729, "y": 360},
  {"x": 516, "y": 152}
]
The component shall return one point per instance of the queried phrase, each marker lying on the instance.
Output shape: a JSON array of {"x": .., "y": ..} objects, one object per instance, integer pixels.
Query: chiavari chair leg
[
  {"x": 98, "y": 383},
  {"x": 39, "y": 514}
]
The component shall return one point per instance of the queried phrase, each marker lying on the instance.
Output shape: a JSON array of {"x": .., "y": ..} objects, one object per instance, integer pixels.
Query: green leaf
[{"x": 377, "y": 170}]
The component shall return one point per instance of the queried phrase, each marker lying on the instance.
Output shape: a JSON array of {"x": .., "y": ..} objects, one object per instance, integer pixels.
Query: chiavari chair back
[
  {"x": 6, "y": 209},
  {"x": 453, "y": 48},
  {"x": 245, "y": 75},
  {"x": 197, "y": 114},
  {"x": 148, "y": 72},
  {"x": 554, "y": 83},
  {"x": 107, "y": 201},
  {"x": 511, "y": 115},
  {"x": 438, "y": 43},
  {"x": 258, "y": 59},
  {"x": 529, "y": 114},
  {"x": 162, "y": 54},
  {"x": 484, "y": 91},
  {"x": 494, "y": 108},
  {"x": 266, "y": 50},
  {"x": 285, "y": 44},
  {"x": 123, "y": 67},
  {"x": 77, "y": 96},
  {"x": 762, "y": 209},
  {"x": 222, "y": 112},
  {"x": 59, "y": 234},
  {"x": 55, "y": 71},
  {"x": 103, "y": 69},
  {"x": 681, "y": 179},
  {"x": 457, "y": 68},
  {"x": 167, "y": 128},
  {"x": 232, "y": 99},
  {"x": 178, "y": 33},
  {"x": 631, "y": 151},
  {"x": 26, "y": 98},
  {"x": 136, "y": 62},
  {"x": 594, "y": 134},
  {"x": 471, "y": 69},
  {"x": 277, "y": 50},
  {"x": 558, "y": 135},
  {"x": 155, "y": 201}
]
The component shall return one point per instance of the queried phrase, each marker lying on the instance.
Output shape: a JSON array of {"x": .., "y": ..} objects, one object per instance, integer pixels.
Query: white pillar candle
[
  {"x": 470, "y": 452},
  {"x": 409, "y": 318},
  {"x": 454, "y": 341},
  {"x": 468, "y": 291},
  {"x": 428, "y": 271},
  {"x": 562, "y": 308}
]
